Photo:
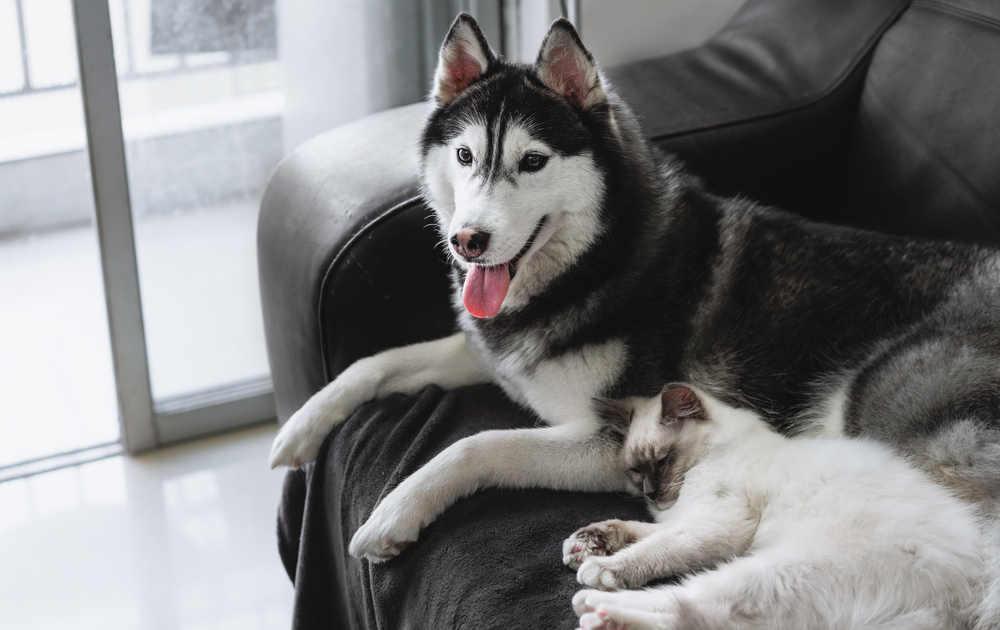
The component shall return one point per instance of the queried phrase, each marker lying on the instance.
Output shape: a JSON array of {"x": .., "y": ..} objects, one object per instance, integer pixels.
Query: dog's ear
[
  {"x": 567, "y": 68},
  {"x": 465, "y": 56},
  {"x": 681, "y": 403}
]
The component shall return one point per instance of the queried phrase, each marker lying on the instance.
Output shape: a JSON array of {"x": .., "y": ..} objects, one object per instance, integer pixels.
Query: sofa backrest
[
  {"x": 883, "y": 114},
  {"x": 925, "y": 148}
]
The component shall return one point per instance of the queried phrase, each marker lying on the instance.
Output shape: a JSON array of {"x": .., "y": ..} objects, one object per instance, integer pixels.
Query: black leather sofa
[{"x": 883, "y": 114}]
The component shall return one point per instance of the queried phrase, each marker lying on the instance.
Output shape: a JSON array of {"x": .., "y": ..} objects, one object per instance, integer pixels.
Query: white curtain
[{"x": 343, "y": 59}]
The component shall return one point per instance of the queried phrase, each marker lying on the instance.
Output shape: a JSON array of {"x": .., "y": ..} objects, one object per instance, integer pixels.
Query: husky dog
[
  {"x": 799, "y": 533},
  {"x": 586, "y": 265}
]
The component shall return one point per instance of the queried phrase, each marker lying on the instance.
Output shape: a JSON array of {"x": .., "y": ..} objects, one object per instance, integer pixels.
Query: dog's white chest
[{"x": 558, "y": 388}]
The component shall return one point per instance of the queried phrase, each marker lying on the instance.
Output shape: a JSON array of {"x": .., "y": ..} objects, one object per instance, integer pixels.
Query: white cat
[{"x": 788, "y": 533}]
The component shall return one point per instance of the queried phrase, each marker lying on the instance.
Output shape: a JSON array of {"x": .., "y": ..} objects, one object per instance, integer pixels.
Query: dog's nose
[{"x": 470, "y": 243}]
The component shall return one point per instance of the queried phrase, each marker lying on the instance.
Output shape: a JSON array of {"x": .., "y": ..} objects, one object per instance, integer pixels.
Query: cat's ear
[
  {"x": 465, "y": 55},
  {"x": 567, "y": 68},
  {"x": 681, "y": 403},
  {"x": 615, "y": 415}
]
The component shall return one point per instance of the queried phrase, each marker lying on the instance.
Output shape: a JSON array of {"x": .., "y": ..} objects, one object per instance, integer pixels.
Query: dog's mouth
[
  {"x": 512, "y": 264},
  {"x": 486, "y": 285}
]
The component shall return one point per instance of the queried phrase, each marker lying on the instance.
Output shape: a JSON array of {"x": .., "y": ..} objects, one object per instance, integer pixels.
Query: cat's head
[{"x": 660, "y": 437}]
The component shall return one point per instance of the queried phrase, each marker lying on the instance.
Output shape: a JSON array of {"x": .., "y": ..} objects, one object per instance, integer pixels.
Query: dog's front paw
[
  {"x": 388, "y": 531},
  {"x": 299, "y": 439},
  {"x": 599, "y": 539}
]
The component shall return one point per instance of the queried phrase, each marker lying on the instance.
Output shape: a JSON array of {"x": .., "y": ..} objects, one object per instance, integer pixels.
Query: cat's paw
[
  {"x": 604, "y": 617},
  {"x": 601, "y": 573},
  {"x": 616, "y": 617},
  {"x": 599, "y": 539},
  {"x": 587, "y": 600},
  {"x": 391, "y": 528}
]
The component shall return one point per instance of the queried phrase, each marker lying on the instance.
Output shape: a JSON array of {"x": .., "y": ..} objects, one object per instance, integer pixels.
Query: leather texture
[
  {"x": 319, "y": 198},
  {"x": 765, "y": 107},
  {"x": 925, "y": 150}
]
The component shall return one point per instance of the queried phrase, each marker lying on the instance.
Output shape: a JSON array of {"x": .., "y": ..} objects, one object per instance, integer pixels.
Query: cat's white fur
[{"x": 809, "y": 532}]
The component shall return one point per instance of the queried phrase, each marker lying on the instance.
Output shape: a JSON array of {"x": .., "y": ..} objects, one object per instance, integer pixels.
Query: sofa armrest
[{"x": 340, "y": 222}]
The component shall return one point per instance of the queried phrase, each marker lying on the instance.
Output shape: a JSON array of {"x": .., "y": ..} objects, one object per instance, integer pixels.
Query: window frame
[{"x": 145, "y": 424}]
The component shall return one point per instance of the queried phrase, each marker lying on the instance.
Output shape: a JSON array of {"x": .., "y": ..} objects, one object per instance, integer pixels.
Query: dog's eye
[
  {"x": 532, "y": 162},
  {"x": 464, "y": 156}
]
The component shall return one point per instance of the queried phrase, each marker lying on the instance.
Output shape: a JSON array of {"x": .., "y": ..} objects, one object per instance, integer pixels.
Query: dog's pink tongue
[{"x": 485, "y": 288}]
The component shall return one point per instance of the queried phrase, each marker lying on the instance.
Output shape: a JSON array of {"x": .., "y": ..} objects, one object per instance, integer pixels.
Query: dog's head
[{"x": 508, "y": 161}]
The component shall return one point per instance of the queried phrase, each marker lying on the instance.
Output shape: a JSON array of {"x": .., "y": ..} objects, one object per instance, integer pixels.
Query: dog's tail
[{"x": 965, "y": 457}]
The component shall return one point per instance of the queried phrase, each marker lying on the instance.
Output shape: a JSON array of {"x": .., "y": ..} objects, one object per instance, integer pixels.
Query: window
[
  {"x": 171, "y": 255},
  {"x": 150, "y": 313},
  {"x": 201, "y": 100},
  {"x": 57, "y": 385},
  {"x": 144, "y": 306}
]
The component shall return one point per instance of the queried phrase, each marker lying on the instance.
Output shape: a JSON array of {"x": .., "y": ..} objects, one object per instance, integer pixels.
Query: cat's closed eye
[{"x": 666, "y": 458}]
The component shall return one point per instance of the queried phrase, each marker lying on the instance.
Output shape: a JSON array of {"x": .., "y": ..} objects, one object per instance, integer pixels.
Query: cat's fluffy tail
[
  {"x": 986, "y": 612},
  {"x": 691, "y": 618},
  {"x": 918, "y": 620}
]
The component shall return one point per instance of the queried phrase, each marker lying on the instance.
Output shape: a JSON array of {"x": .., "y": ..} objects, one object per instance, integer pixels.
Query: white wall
[
  {"x": 618, "y": 32},
  {"x": 343, "y": 59}
]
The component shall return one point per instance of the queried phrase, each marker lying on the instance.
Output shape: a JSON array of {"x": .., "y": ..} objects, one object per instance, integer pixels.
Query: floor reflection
[{"x": 179, "y": 539}]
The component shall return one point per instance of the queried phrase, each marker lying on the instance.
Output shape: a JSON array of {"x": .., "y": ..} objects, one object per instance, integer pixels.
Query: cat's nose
[{"x": 648, "y": 488}]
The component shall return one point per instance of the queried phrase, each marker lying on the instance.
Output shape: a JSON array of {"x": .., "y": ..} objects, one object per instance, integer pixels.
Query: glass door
[
  {"x": 201, "y": 102},
  {"x": 57, "y": 385},
  {"x": 136, "y": 138}
]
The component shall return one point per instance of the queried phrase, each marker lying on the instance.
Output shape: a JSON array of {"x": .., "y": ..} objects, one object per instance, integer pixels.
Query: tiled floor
[{"x": 183, "y": 538}]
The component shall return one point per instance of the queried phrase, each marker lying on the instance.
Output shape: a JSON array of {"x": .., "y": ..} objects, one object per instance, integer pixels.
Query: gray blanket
[{"x": 494, "y": 560}]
